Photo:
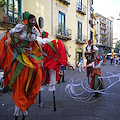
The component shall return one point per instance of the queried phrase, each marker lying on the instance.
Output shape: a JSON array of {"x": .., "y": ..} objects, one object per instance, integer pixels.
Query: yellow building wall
[{"x": 44, "y": 9}]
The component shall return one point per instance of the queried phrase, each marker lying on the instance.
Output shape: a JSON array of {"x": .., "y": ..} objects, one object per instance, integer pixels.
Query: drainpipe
[
  {"x": 52, "y": 16},
  {"x": 87, "y": 19}
]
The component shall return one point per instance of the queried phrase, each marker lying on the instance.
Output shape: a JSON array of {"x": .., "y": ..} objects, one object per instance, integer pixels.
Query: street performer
[
  {"x": 89, "y": 54},
  {"x": 54, "y": 56},
  {"x": 21, "y": 57},
  {"x": 96, "y": 82}
]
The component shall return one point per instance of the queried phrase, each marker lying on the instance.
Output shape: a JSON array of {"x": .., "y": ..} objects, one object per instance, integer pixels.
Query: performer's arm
[
  {"x": 89, "y": 65},
  {"x": 94, "y": 49},
  {"x": 8, "y": 41},
  {"x": 38, "y": 45},
  {"x": 18, "y": 28}
]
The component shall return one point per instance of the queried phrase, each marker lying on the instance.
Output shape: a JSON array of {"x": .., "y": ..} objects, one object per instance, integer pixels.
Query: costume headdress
[
  {"x": 45, "y": 34},
  {"x": 89, "y": 41},
  {"x": 25, "y": 20}
]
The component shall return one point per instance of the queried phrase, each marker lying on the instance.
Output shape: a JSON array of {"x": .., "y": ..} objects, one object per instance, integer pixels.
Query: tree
[{"x": 117, "y": 47}]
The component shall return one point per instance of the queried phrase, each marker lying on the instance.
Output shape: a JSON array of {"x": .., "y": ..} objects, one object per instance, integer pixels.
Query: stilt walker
[
  {"x": 21, "y": 58},
  {"x": 90, "y": 54},
  {"x": 54, "y": 56}
]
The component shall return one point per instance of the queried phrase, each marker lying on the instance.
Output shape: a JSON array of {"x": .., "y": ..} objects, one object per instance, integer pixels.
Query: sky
[{"x": 109, "y": 8}]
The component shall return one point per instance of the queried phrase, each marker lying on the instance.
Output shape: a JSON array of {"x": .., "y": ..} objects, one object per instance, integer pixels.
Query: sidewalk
[{"x": 107, "y": 107}]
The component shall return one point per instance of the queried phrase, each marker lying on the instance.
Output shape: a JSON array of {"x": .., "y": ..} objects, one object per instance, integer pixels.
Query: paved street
[{"x": 106, "y": 107}]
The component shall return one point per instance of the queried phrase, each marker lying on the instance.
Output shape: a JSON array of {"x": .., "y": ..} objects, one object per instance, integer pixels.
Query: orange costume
[{"x": 22, "y": 62}]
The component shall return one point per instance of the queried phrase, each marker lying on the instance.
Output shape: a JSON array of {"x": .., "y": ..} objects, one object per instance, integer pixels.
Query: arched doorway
[{"x": 79, "y": 53}]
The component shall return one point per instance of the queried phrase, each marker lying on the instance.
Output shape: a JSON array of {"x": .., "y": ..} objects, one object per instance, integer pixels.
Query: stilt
[
  {"x": 23, "y": 118},
  {"x": 40, "y": 99},
  {"x": 54, "y": 100},
  {"x": 16, "y": 117},
  {"x": 88, "y": 81}
]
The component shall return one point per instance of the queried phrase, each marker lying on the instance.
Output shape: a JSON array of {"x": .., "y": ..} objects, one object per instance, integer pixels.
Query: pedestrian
[
  {"x": 61, "y": 76},
  {"x": 62, "y": 69},
  {"x": 96, "y": 82},
  {"x": 104, "y": 62},
  {"x": 22, "y": 61},
  {"x": 111, "y": 60},
  {"x": 70, "y": 65},
  {"x": 80, "y": 65}
]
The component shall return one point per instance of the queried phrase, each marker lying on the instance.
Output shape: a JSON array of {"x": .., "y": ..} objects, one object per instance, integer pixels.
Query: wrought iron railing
[
  {"x": 63, "y": 33},
  {"x": 81, "y": 38},
  {"x": 13, "y": 16},
  {"x": 67, "y": 2}
]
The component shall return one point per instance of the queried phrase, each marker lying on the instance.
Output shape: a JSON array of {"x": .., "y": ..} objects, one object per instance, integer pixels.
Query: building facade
[
  {"x": 104, "y": 33},
  {"x": 67, "y": 20}
]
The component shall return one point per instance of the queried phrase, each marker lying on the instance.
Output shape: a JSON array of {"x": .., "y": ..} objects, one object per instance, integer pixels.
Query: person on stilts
[
  {"x": 54, "y": 56},
  {"x": 21, "y": 58}
]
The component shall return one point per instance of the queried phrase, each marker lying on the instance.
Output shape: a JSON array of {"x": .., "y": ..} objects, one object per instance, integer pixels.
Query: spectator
[
  {"x": 80, "y": 65},
  {"x": 70, "y": 66}
]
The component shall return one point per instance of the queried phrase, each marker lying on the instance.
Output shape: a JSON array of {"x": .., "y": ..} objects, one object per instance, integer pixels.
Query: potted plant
[{"x": 93, "y": 15}]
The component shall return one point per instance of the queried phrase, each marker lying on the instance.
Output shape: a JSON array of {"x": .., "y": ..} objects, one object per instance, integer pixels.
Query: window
[
  {"x": 61, "y": 23},
  {"x": 91, "y": 36},
  {"x": 80, "y": 30},
  {"x": 41, "y": 22},
  {"x": 79, "y": 4},
  {"x": 13, "y": 10}
]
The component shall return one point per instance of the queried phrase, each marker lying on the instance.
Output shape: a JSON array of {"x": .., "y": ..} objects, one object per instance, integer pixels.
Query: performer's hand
[
  {"x": 40, "y": 48},
  {"x": 7, "y": 42}
]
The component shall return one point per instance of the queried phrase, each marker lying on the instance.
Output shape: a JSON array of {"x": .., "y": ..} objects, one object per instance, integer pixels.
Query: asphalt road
[{"x": 106, "y": 107}]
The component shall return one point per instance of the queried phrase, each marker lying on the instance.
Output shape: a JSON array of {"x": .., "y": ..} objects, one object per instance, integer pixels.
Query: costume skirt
[{"x": 55, "y": 57}]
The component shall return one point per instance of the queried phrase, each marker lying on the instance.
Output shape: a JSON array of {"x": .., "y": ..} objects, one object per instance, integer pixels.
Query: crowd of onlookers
[{"x": 115, "y": 60}]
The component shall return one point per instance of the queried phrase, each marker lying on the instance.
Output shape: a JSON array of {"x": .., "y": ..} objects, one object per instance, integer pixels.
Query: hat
[
  {"x": 89, "y": 41},
  {"x": 45, "y": 34},
  {"x": 25, "y": 20},
  {"x": 99, "y": 57}
]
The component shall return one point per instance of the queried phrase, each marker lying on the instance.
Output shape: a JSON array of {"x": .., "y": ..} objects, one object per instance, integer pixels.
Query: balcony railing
[
  {"x": 11, "y": 17},
  {"x": 66, "y": 2},
  {"x": 81, "y": 39},
  {"x": 64, "y": 34},
  {"x": 103, "y": 33},
  {"x": 80, "y": 8},
  {"x": 103, "y": 39},
  {"x": 103, "y": 27},
  {"x": 102, "y": 44}
]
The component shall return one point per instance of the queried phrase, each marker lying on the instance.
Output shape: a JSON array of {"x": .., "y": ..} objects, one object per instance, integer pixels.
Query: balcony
[
  {"x": 81, "y": 40},
  {"x": 11, "y": 18},
  {"x": 102, "y": 27},
  {"x": 102, "y": 21},
  {"x": 103, "y": 39},
  {"x": 103, "y": 33},
  {"x": 80, "y": 8},
  {"x": 66, "y": 2},
  {"x": 63, "y": 34}
]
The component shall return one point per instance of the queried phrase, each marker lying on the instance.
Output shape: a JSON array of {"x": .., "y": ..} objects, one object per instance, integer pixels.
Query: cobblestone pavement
[{"x": 107, "y": 107}]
